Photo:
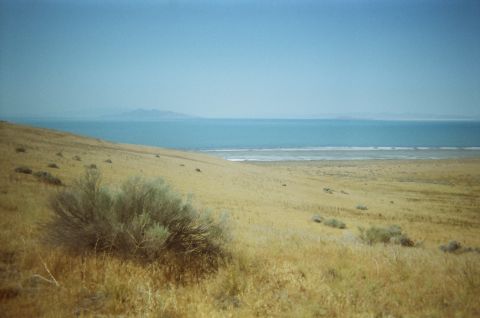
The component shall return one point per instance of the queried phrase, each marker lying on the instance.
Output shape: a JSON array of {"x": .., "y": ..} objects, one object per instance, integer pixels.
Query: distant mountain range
[
  {"x": 142, "y": 114},
  {"x": 147, "y": 114}
]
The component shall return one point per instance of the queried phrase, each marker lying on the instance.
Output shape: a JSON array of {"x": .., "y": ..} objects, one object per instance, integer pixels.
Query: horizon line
[{"x": 105, "y": 118}]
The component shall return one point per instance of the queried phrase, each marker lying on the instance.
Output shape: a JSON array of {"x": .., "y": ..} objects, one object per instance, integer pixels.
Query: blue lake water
[{"x": 273, "y": 140}]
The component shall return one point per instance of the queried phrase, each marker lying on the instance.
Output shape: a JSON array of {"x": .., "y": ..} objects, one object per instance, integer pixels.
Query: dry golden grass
[{"x": 283, "y": 264}]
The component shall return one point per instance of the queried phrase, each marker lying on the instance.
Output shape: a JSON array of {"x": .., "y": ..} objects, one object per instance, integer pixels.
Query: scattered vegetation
[
  {"x": 20, "y": 149},
  {"x": 456, "y": 247},
  {"x": 53, "y": 165},
  {"x": 451, "y": 247},
  {"x": 108, "y": 161},
  {"x": 47, "y": 177},
  {"x": 362, "y": 207},
  {"x": 335, "y": 223},
  {"x": 145, "y": 221},
  {"x": 328, "y": 190},
  {"x": 92, "y": 166},
  {"x": 392, "y": 234},
  {"x": 77, "y": 158},
  {"x": 23, "y": 169},
  {"x": 59, "y": 154}
]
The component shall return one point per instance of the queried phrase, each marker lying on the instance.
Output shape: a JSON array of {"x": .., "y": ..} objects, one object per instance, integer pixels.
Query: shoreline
[
  {"x": 350, "y": 162},
  {"x": 342, "y": 153},
  {"x": 249, "y": 140},
  {"x": 210, "y": 153}
]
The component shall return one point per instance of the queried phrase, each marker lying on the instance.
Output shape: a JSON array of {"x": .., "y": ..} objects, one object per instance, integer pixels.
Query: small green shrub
[
  {"x": 451, "y": 247},
  {"x": 457, "y": 248},
  {"x": 23, "y": 169},
  {"x": 144, "y": 221},
  {"x": 328, "y": 190},
  {"x": 335, "y": 223},
  {"x": 59, "y": 154},
  {"x": 362, "y": 207},
  {"x": 392, "y": 234},
  {"x": 20, "y": 149},
  {"x": 108, "y": 161},
  {"x": 47, "y": 177},
  {"x": 53, "y": 165},
  {"x": 77, "y": 158}
]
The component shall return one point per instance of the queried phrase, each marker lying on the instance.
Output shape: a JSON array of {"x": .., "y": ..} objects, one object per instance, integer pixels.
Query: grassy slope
[{"x": 284, "y": 264}]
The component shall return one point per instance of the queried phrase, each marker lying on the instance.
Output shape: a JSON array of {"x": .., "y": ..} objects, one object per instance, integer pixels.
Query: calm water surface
[{"x": 272, "y": 140}]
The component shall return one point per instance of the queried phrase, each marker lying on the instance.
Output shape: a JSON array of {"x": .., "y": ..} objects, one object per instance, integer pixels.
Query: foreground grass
[
  {"x": 332, "y": 280},
  {"x": 282, "y": 263}
]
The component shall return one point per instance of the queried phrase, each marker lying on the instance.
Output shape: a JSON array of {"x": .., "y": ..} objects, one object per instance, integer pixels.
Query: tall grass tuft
[{"x": 145, "y": 221}]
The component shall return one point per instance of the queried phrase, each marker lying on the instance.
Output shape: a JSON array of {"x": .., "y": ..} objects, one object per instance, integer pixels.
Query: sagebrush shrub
[
  {"x": 47, "y": 177},
  {"x": 451, "y": 247},
  {"x": 335, "y": 223},
  {"x": 392, "y": 234},
  {"x": 144, "y": 221},
  {"x": 23, "y": 169}
]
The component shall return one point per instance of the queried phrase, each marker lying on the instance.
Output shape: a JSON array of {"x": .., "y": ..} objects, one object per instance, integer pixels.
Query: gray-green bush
[
  {"x": 47, "y": 177},
  {"x": 362, "y": 207},
  {"x": 144, "y": 221},
  {"x": 317, "y": 218},
  {"x": 23, "y": 169},
  {"x": 335, "y": 223},
  {"x": 451, "y": 247},
  {"x": 392, "y": 234}
]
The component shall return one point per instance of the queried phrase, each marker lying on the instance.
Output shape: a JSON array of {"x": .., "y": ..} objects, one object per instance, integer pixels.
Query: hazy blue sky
[{"x": 240, "y": 58}]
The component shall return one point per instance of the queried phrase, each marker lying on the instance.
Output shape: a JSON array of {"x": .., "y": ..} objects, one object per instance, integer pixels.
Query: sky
[{"x": 240, "y": 59}]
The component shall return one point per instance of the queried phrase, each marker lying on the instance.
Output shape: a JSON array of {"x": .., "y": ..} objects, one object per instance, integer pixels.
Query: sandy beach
[{"x": 285, "y": 264}]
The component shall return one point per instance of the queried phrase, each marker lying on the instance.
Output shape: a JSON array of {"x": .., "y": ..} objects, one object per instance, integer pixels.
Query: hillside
[{"x": 283, "y": 264}]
